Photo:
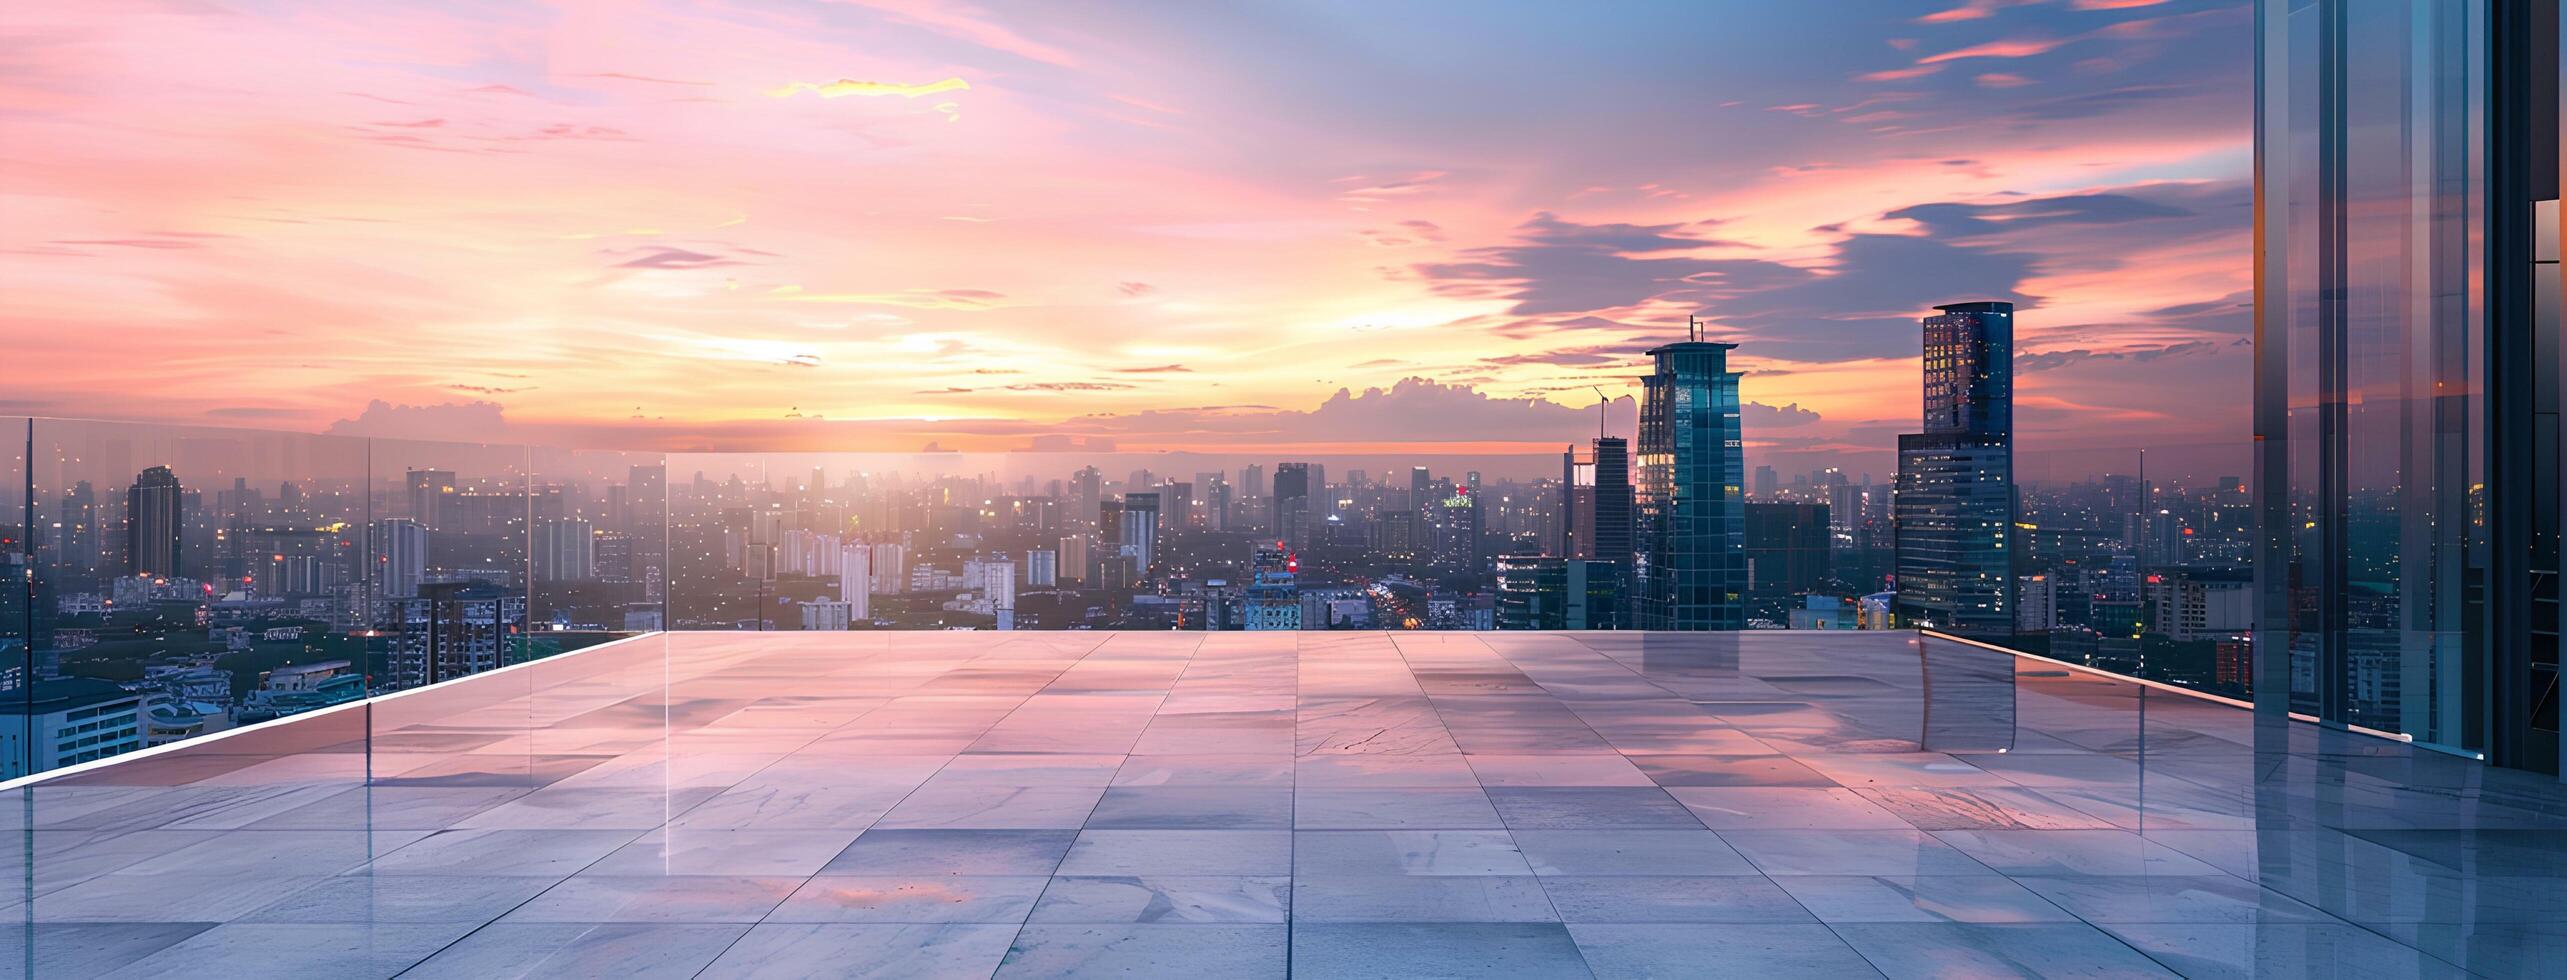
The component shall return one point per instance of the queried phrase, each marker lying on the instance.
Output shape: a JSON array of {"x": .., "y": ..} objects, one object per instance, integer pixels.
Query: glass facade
[
  {"x": 1953, "y": 509},
  {"x": 2405, "y": 420},
  {"x": 1690, "y": 500}
]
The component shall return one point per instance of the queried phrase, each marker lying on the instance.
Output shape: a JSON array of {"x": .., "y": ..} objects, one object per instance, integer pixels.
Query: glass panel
[
  {"x": 450, "y": 601},
  {"x": 2380, "y": 409},
  {"x": 596, "y": 549},
  {"x": 199, "y": 579}
]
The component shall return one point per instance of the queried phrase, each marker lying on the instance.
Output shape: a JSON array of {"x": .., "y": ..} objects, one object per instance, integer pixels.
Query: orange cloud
[{"x": 2015, "y": 48}]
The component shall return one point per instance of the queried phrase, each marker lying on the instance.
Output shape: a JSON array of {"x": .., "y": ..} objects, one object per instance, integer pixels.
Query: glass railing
[
  {"x": 2139, "y": 562},
  {"x": 170, "y": 582},
  {"x": 173, "y": 582}
]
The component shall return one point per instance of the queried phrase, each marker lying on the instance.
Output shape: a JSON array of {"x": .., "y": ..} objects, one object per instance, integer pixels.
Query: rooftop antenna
[
  {"x": 1603, "y": 421},
  {"x": 1693, "y": 327}
]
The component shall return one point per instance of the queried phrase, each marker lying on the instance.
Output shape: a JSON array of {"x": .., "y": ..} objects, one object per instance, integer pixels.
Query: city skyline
[{"x": 1465, "y": 263}]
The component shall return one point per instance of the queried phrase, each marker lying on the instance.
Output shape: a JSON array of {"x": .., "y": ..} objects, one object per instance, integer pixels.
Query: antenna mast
[{"x": 1603, "y": 418}]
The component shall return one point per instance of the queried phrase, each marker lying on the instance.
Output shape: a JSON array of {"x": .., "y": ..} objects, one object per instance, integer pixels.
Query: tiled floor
[{"x": 1320, "y": 804}]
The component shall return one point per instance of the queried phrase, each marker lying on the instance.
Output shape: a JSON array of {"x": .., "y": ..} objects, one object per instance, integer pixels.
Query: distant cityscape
[{"x": 164, "y": 608}]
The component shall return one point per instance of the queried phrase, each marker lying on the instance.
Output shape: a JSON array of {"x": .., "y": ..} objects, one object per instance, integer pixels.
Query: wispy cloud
[{"x": 847, "y": 86}]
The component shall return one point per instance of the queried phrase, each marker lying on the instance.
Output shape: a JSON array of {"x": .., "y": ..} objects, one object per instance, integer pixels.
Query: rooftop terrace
[{"x": 1257, "y": 804}]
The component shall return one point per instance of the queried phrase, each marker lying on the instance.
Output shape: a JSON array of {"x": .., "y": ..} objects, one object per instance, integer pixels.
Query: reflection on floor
[{"x": 1318, "y": 804}]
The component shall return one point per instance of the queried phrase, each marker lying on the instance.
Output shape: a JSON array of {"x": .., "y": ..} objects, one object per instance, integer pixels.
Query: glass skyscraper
[
  {"x": 2406, "y": 391},
  {"x": 1952, "y": 513},
  {"x": 1690, "y": 500}
]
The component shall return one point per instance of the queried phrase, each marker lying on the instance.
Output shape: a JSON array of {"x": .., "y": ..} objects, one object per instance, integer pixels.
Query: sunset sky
[{"x": 1212, "y": 226}]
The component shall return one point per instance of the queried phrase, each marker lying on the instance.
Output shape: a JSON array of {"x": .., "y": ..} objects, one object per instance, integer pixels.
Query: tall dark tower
[
  {"x": 1290, "y": 504},
  {"x": 153, "y": 524},
  {"x": 1953, "y": 512},
  {"x": 1690, "y": 571}
]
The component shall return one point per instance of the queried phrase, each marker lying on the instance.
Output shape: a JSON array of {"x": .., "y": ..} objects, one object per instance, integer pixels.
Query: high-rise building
[
  {"x": 1074, "y": 559},
  {"x": 1087, "y": 491},
  {"x": 1546, "y": 592},
  {"x": 400, "y": 557},
  {"x": 1111, "y": 566},
  {"x": 154, "y": 524},
  {"x": 1768, "y": 483},
  {"x": 855, "y": 580},
  {"x": 565, "y": 551},
  {"x": 1952, "y": 512},
  {"x": 998, "y": 588},
  {"x": 646, "y": 506},
  {"x": 429, "y": 492},
  {"x": 1252, "y": 487},
  {"x": 2407, "y": 436},
  {"x": 890, "y": 569},
  {"x": 1609, "y": 538},
  {"x": 1042, "y": 569},
  {"x": 1691, "y": 569},
  {"x": 1289, "y": 507},
  {"x": 1214, "y": 503},
  {"x": 1141, "y": 531},
  {"x": 1788, "y": 552},
  {"x": 77, "y": 541}
]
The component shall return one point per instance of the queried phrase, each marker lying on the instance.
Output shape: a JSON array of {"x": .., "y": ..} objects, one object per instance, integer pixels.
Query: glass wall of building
[{"x": 2406, "y": 470}]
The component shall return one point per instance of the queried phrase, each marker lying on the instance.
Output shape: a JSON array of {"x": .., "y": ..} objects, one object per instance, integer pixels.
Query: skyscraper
[
  {"x": 565, "y": 551},
  {"x": 1595, "y": 511},
  {"x": 401, "y": 556},
  {"x": 1610, "y": 535},
  {"x": 153, "y": 524},
  {"x": 1112, "y": 565},
  {"x": 429, "y": 492},
  {"x": 1074, "y": 563},
  {"x": 1141, "y": 531},
  {"x": 855, "y": 580},
  {"x": 646, "y": 500},
  {"x": 1953, "y": 511},
  {"x": 1290, "y": 505},
  {"x": 1691, "y": 570}
]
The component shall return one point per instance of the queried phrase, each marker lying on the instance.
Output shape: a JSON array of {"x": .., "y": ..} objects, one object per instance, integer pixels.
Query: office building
[
  {"x": 890, "y": 569},
  {"x": 1952, "y": 509},
  {"x": 1141, "y": 531},
  {"x": 1290, "y": 510},
  {"x": 65, "y": 722},
  {"x": 1789, "y": 553},
  {"x": 1688, "y": 505},
  {"x": 1042, "y": 569},
  {"x": 154, "y": 525},
  {"x": 1547, "y": 592},
  {"x": 1074, "y": 559},
  {"x": 400, "y": 557},
  {"x": 565, "y": 551},
  {"x": 429, "y": 492},
  {"x": 855, "y": 580}
]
